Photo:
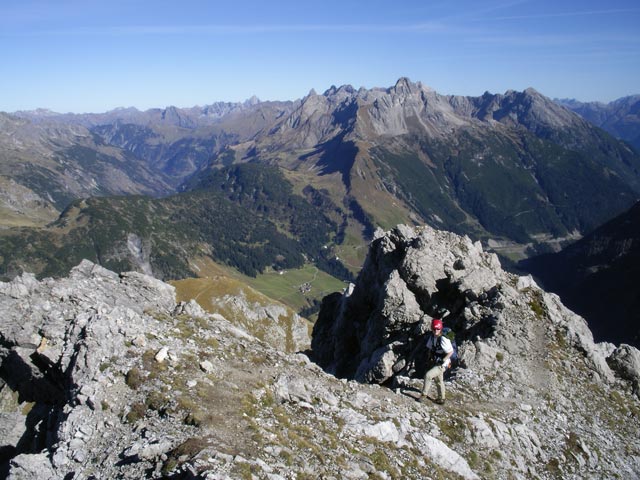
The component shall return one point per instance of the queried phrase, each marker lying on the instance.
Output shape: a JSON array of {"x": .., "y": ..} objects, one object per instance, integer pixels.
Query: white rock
[
  {"x": 525, "y": 282},
  {"x": 161, "y": 356},
  {"x": 139, "y": 341},
  {"x": 482, "y": 433},
  {"x": 443, "y": 456},
  {"x": 383, "y": 431},
  {"x": 206, "y": 366}
]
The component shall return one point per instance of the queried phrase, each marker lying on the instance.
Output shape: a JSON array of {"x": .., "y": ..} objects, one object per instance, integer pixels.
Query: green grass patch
[
  {"x": 290, "y": 286},
  {"x": 296, "y": 288}
]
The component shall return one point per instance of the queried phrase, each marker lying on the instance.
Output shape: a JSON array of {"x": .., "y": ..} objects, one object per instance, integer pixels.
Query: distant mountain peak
[
  {"x": 343, "y": 89},
  {"x": 403, "y": 82},
  {"x": 621, "y": 117},
  {"x": 404, "y": 86},
  {"x": 38, "y": 112},
  {"x": 254, "y": 100},
  {"x": 124, "y": 110}
]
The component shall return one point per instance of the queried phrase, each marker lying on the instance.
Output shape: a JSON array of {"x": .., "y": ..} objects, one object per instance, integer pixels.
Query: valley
[
  {"x": 263, "y": 188},
  {"x": 238, "y": 238}
]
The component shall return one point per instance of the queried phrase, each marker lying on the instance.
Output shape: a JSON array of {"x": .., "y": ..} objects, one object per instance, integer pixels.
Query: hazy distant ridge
[{"x": 621, "y": 118}]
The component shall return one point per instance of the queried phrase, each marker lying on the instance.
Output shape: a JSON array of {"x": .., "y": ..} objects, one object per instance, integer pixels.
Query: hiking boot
[{"x": 440, "y": 401}]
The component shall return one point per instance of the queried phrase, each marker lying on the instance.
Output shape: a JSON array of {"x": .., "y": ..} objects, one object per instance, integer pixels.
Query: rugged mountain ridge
[
  {"x": 171, "y": 115},
  {"x": 597, "y": 277},
  {"x": 620, "y": 118},
  {"x": 520, "y": 344},
  {"x": 366, "y": 146},
  {"x": 517, "y": 171},
  {"x": 377, "y": 150},
  {"x": 106, "y": 377},
  {"x": 49, "y": 164},
  {"x": 58, "y": 158}
]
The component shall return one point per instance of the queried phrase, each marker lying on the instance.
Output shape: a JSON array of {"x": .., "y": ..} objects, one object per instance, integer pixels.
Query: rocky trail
[{"x": 105, "y": 376}]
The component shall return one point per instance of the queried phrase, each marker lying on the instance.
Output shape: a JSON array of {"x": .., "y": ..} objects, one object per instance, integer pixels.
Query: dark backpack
[{"x": 451, "y": 335}]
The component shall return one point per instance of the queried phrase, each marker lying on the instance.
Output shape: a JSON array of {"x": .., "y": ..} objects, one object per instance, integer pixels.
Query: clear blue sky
[{"x": 95, "y": 55}]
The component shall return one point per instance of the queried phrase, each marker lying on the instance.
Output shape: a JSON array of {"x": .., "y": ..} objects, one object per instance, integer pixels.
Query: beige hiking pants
[{"x": 437, "y": 374}]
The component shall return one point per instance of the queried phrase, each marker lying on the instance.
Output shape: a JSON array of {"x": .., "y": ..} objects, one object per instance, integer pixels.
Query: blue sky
[{"x": 95, "y": 55}]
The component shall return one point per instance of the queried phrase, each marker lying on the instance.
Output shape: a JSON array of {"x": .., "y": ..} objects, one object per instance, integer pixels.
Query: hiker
[{"x": 440, "y": 350}]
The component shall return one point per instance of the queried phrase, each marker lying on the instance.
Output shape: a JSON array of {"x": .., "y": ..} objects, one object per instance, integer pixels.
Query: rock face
[
  {"x": 59, "y": 343},
  {"x": 409, "y": 277},
  {"x": 263, "y": 317},
  {"x": 104, "y": 376},
  {"x": 524, "y": 352},
  {"x": 274, "y": 323}
]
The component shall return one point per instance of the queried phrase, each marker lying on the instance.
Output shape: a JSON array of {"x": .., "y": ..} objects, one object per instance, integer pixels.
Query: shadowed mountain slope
[
  {"x": 247, "y": 217},
  {"x": 56, "y": 163},
  {"x": 597, "y": 277}
]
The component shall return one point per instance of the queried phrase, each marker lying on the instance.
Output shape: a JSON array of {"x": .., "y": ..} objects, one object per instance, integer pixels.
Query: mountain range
[
  {"x": 621, "y": 118},
  {"x": 515, "y": 170},
  {"x": 110, "y": 375}
]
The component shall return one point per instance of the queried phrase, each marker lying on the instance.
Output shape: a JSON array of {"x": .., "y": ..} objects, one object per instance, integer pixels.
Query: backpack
[{"x": 451, "y": 335}]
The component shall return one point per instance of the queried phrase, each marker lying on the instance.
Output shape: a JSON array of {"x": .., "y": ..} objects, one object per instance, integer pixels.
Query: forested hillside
[{"x": 245, "y": 216}]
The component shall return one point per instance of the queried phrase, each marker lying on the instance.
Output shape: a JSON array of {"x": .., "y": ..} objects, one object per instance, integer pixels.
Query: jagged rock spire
[{"x": 104, "y": 369}]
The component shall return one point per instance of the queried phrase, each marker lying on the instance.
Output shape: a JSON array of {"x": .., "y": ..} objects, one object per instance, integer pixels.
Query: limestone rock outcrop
[
  {"x": 521, "y": 350},
  {"x": 103, "y": 376}
]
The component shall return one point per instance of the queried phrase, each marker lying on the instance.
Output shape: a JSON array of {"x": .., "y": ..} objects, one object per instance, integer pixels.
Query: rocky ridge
[
  {"x": 171, "y": 115},
  {"x": 497, "y": 163},
  {"x": 510, "y": 167},
  {"x": 621, "y": 118},
  {"x": 525, "y": 353},
  {"x": 414, "y": 108},
  {"x": 104, "y": 376}
]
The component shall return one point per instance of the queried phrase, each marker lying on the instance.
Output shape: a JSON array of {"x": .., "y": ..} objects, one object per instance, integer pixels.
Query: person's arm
[
  {"x": 448, "y": 349},
  {"x": 446, "y": 362}
]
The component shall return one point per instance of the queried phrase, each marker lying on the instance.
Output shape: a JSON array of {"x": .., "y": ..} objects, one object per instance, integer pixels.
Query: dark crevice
[{"x": 38, "y": 384}]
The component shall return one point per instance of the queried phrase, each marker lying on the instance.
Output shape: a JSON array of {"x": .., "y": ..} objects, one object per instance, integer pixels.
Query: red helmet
[{"x": 436, "y": 323}]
